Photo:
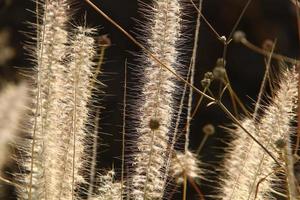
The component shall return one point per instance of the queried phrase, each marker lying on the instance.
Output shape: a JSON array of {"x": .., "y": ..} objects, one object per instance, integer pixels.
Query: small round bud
[
  {"x": 223, "y": 39},
  {"x": 104, "y": 41},
  {"x": 205, "y": 82},
  {"x": 208, "y": 129},
  {"x": 219, "y": 72},
  {"x": 280, "y": 143},
  {"x": 154, "y": 124},
  {"x": 209, "y": 75},
  {"x": 238, "y": 36}
]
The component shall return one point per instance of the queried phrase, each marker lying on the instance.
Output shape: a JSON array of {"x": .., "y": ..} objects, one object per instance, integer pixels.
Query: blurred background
[{"x": 263, "y": 20}]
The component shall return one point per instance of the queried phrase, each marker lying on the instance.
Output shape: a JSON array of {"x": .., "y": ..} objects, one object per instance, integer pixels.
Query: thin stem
[
  {"x": 74, "y": 120},
  {"x": 100, "y": 62},
  {"x": 198, "y": 104},
  {"x": 276, "y": 56},
  {"x": 184, "y": 185},
  {"x": 202, "y": 144},
  {"x": 192, "y": 68},
  {"x": 226, "y": 43},
  {"x": 262, "y": 180},
  {"x": 123, "y": 128},
  {"x": 205, "y": 20},
  {"x": 192, "y": 182},
  {"x": 262, "y": 87},
  {"x": 239, "y": 19},
  {"x": 94, "y": 156},
  {"x": 235, "y": 96},
  {"x": 93, "y": 82}
]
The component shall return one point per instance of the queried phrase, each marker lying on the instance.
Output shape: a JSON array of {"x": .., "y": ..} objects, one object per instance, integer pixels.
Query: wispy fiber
[
  {"x": 77, "y": 94},
  {"x": 13, "y": 102},
  {"x": 158, "y": 99},
  {"x": 246, "y": 165},
  {"x": 62, "y": 90},
  {"x": 43, "y": 163}
]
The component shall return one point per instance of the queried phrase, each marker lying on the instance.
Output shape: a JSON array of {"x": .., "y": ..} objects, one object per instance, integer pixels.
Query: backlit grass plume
[
  {"x": 57, "y": 152},
  {"x": 157, "y": 102},
  {"x": 56, "y": 160},
  {"x": 13, "y": 102},
  {"x": 76, "y": 114},
  {"x": 44, "y": 149},
  {"x": 249, "y": 172}
]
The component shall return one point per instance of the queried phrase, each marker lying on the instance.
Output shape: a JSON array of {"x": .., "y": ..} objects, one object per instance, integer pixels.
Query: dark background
[{"x": 264, "y": 19}]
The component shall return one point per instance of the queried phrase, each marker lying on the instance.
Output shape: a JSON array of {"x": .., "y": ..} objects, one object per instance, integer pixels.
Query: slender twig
[
  {"x": 93, "y": 82},
  {"x": 203, "y": 141},
  {"x": 94, "y": 156},
  {"x": 123, "y": 128},
  {"x": 206, "y": 21},
  {"x": 234, "y": 97},
  {"x": 184, "y": 185},
  {"x": 73, "y": 131},
  {"x": 192, "y": 68},
  {"x": 198, "y": 104},
  {"x": 192, "y": 182},
  {"x": 276, "y": 56},
  {"x": 100, "y": 63},
  {"x": 262, "y": 180},
  {"x": 226, "y": 42},
  {"x": 262, "y": 87},
  {"x": 239, "y": 19}
]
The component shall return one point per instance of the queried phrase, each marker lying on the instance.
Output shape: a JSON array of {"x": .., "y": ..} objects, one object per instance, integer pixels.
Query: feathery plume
[
  {"x": 75, "y": 118},
  {"x": 249, "y": 171},
  {"x": 157, "y": 110},
  {"x": 13, "y": 102},
  {"x": 44, "y": 160},
  {"x": 276, "y": 125}
]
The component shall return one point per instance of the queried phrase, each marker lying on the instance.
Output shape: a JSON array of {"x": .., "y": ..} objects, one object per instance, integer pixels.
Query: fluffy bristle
[
  {"x": 156, "y": 112},
  {"x": 247, "y": 163}
]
